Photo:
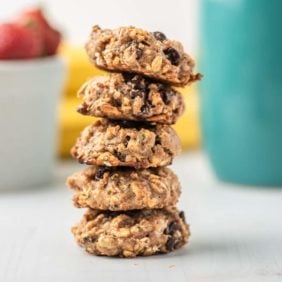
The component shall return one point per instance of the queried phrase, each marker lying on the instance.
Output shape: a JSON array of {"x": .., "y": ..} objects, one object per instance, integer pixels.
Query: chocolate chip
[
  {"x": 158, "y": 140},
  {"x": 145, "y": 43},
  {"x": 173, "y": 226},
  {"x": 127, "y": 76},
  {"x": 100, "y": 172},
  {"x": 172, "y": 55},
  {"x": 80, "y": 160},
  {"x": 166, "y": 97},
  {"x": 144, "y": 94},
  {"x": 127, "y": 138},
  {"x": 116, "y": 103},
  {"x": 159, "y": 36},
  {"x": 182, "y": 216},
  {"x": 166, "y": 94},
  {"x": 139, "y": 83},
  {"x": 145, "y": 109},
  {"x": 136, "y": 93},
  {"x": 82, "y": 110},
  {"x": 120, "y": 156},
  {"x": 88, "y": 240},
  {"x": 139, "y": 53},
  {"x": 195, "y": 77},
  {"x": 170, "y": 244},
  {"x": 141, "y": 89}
]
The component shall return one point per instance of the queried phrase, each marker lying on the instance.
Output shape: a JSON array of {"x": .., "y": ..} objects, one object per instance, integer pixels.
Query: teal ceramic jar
[{"x": 241, "y": 93}]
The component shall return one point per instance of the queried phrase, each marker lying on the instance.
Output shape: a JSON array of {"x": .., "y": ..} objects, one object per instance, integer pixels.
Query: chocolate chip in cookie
[
  {"x": 170, "y": 244},
  {"x": 127, "y": 76},
  {"x": 159, "y": 36},
  {"x": 173, "y": 226},
  {"x": 120, "y": 156},
  {"x": 145, "y": 109},
  {"x": 126, "y": 140},
  {"x": 182, "y": 216},
  {"x": 82, "y": 109},
  {"x": 116, "y": 103},
  {"x": 172, "y": 55},
  {"x": 139, "y": 53},
  {"x": 100, "y": 172},
  {"x": 135, "y": 93}
]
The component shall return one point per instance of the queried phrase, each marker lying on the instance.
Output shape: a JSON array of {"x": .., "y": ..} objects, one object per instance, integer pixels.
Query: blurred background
[
  {"x": 75, "y": 19},
  {"x": 239, "y": 105}
]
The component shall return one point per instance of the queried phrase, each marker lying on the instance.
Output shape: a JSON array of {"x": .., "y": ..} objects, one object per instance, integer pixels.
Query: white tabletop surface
[{"x": 236, "y": 234}]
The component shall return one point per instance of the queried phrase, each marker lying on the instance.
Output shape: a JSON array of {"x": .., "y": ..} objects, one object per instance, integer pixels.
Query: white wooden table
[{"x": 236, "y": 235}]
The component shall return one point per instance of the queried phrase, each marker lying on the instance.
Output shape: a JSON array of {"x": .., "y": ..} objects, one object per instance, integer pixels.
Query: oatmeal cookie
[
  {"x": 130, "y": 97},
  {"x": 132, "y": 233},
  {"x": 136, "y": 50},
  {"x": 124, "y": 188},
  {"x": 126, "y": 143}
]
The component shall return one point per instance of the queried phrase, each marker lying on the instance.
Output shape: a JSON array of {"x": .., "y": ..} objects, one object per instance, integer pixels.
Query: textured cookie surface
[
  {"x": 124, "y": 143},
  {"x": 135, "y": 50},
  {"x": 130, "y": 97},
  {"x": 123, "y": 188},
  {"x": 130, "y": 234}
]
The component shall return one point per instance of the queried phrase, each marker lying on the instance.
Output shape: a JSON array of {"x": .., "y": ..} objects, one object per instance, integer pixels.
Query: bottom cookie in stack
[{"x": 132, "y": 233}]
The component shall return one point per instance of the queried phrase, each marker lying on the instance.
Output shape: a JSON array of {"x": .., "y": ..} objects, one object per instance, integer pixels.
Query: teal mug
[{"x": 241, "y": 92}]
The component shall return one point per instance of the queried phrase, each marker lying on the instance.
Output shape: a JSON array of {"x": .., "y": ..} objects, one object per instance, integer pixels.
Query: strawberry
[
  {"x": 17, "y": 42},
  {"x": 35, "y": 19},
  {"x": 52, "y": 41},
  {"x": 37, "y": 31}
]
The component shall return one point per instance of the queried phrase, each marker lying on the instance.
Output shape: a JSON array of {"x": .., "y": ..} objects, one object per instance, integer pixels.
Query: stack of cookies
[{"x": 129, "y": 192}]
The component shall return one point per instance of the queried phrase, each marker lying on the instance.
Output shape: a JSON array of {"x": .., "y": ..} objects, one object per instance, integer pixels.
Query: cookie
[
  {"x": 132, "y": 233},
  {"x": 133, "y": 49},
  {"x": 124, "y": 143},
  {"x": 130, "y": 97},
  {"x": 123, "y": 188}
]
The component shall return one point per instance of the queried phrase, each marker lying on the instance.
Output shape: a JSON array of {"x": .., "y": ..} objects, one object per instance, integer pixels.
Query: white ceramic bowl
[{"x": 29, "y": 96}]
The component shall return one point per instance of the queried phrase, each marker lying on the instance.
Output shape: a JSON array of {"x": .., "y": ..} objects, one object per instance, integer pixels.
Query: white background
[{"x": 178, "y": 19}]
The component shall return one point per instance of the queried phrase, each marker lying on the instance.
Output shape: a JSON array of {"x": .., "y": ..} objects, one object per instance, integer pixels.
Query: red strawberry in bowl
[
  {"x": 31, "y": 81},
  {"x": 29, "y": 36},
  {"x": 36, "y": 20},
  {"x": 52, "y": 40},
  {"x": 18, "y": 42}
]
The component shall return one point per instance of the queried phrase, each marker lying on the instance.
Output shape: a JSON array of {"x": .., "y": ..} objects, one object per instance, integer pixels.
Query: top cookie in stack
[
  {"x": 130, "y": 194},
  {"x": 131, "y": 49}
]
